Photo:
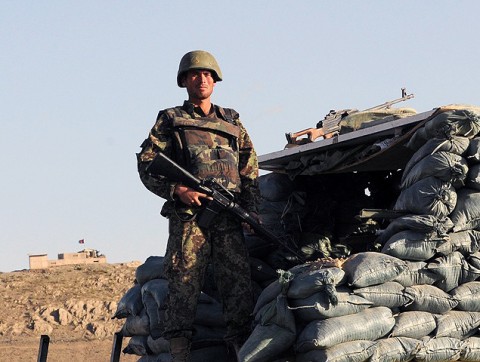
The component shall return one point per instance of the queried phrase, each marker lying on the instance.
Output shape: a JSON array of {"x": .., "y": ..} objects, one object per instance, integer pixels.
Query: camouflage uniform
[{"x": 190, "y": 248}]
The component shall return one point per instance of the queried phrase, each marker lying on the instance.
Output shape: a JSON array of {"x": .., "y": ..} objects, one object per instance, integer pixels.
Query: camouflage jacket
[{"x": 162, "y": 138}]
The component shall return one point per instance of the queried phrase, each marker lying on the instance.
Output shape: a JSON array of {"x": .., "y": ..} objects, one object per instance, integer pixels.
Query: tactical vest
[{"x": 207, "y": 147}]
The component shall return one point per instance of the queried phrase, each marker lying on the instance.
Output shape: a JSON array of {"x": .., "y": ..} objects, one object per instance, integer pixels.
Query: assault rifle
[
  {"x": 330, "y": 125},
  {"x": 222, "y": 199}
]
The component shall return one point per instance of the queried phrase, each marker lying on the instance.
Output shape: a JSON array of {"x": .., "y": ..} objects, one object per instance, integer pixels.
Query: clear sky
[{"x": 81, "y": 83}]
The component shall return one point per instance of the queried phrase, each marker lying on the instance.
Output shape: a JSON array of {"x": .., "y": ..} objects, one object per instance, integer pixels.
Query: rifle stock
[{"x": 161, "y": 165}]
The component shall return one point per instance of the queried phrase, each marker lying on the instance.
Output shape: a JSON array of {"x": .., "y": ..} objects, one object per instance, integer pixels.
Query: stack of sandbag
[
  {"x": 418, "y": 298},
  {"x": 143, "y": 306}
]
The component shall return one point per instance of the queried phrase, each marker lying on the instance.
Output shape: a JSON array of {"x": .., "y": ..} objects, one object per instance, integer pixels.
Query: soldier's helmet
[{"x": 198, "y": 59}]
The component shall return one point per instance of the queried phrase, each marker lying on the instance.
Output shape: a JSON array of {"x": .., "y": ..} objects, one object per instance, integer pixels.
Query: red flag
[{"x": 82, "y": 241}]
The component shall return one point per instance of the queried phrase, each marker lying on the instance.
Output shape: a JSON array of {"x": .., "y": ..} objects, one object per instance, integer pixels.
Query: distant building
[{"x": 85, "y": 256}]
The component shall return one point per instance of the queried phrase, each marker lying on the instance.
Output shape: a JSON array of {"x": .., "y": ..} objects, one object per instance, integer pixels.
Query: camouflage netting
[{"x": 400, "y": 287}]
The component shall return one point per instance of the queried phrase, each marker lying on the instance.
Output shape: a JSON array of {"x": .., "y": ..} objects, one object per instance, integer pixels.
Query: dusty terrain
[{"x": 73, "y": 305}]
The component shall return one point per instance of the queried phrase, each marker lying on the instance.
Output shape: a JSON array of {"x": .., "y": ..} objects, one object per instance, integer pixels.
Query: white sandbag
[
  {"x": 441, "y": 349},
  {"x": 429, "y": 298},
  {"x": 445, "y": 166},
  {"x": 369, "y": 324},
  {"x": 370, "y": 268},
  {"x": 470, "y": 350},
  {"x": 318, "y": 306},
  {"x": 429, "y": 196},
  {"x": 138, "y": 325},
  {"x": 466, "y": 214},
  {"x": 457, "y": 145},
  {"x": 310, "y": 282},
  {"x": 457, "y": 324},
  {"x": 130, "y": 303},
  {"x": 454, "y": 270},
  {"x": 396, "y": 349},
  {"x": 388, "y": 294},
  {"x": 413, "y": 324},
  {"x": 468, "y": 296},
  {"x": 412, "y": 245},
  {"x": 416, "y": 273},
  {"x": 426, "y": 224},
  {"x": 354, "y": 351},
  {"x": 276, "y": 330},
  {"x": 151, "y": 269},
  {"x": 473, "y": 177}
]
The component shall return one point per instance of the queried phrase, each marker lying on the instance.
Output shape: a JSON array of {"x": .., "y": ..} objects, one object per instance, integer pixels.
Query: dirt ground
[{"x": 73, "y": 305}]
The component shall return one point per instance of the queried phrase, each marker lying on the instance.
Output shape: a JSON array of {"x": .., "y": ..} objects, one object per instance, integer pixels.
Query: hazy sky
[{"x": 81, "y": 84}]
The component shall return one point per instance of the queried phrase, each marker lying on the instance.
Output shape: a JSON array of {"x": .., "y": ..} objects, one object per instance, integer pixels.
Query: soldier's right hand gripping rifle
[{"x": 222, "y": 199}]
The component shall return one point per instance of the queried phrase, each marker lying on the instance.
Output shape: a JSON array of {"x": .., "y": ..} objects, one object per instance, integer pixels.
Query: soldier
[{"x": 208, "y": 141}]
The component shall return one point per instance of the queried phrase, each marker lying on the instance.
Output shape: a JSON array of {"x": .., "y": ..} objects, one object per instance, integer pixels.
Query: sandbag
[
  {"x": 468, "y": 296},
  {"x": 456, "y": 145},
  {"x": 418, "y": 139},
  {"x": 454, "y": 270},
  {"x": 445, "y": 166},
  {"x": 318, "y": 306},
  {"x": 370, "y": 268},
  {"x": 137, "y": 325},
  {"x": 457, "y": 324},
  {"x": 473, "y": 151},
  {"x": 466, "y": 214},
  {"x": 305, "y": 284},
  {"x": 427, "y": 224},
  {"x": 412, "y": 245},
  {"x": 354, "y": 351},
  {"x": 388, "y": 294},
  {"x": 470, "y": 350},
  {"x": 369, "y": 324},
  {"x": 154, "y": 293},
  {"x": 429, "y": 298},
  {"x": 439, "y": 349},
  {"x": 466, "y": 242},
  {"x": 473, "y": 177},
  {"x": 416, "y": 273},
  {"x": 459, "y": 122},
  {"x": 429, "y": 196},
  {"x": 474, "y": 259},
  {"x": 130, "y": 303},
  {"x": 413, "y": 324},
  {"x": 159, "y": 345},
  {"x": 396, "y": 349},
  {"x": 151, "y": 269},
  {"x": 162, "y": 357},
  {"x": 137, "y": 345},
  {"x": 276, "y": 330}
]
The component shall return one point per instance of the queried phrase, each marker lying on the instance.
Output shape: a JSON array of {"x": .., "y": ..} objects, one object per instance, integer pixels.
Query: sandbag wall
[{"x": 419, "y": 299}]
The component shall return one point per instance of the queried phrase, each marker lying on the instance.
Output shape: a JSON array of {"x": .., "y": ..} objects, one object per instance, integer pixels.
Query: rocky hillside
[{"x": 69, "y": 303}]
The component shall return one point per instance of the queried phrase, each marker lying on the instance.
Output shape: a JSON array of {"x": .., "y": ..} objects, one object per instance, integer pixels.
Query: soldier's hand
[{"x": 189, "y": 196}]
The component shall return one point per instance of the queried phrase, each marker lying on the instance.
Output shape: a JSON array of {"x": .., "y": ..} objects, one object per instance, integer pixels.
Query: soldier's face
[{"x": 199, "y": 84}]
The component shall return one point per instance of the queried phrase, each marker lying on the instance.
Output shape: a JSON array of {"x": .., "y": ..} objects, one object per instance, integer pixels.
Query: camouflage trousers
[{"x": 189, "y": 251}]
